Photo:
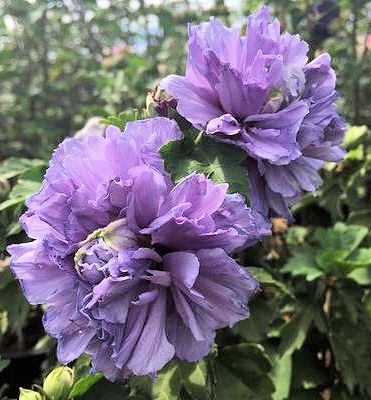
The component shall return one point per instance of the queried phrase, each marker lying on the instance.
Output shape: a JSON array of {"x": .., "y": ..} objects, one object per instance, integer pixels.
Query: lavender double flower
[
  {"x": 133, "y": 269},
  {"x": 258, "y": 92}
]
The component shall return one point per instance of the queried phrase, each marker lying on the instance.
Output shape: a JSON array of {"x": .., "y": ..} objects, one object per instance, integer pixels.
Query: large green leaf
[
  {"x": 96, "y": 387},
  {"x": 303, "y": 263},
  {"x": 294, "y": 332},
  {"x": 82, "y": 386},
  {"x": 13, "y": 166},
  {"x": 351, "y": 347},
  {"x": 242, "y": 370},
  {"x": 13, "y": 302},
  {"x": 342, "y": 239},
  {"x": 168, "y": 384},
  {"x": 254, "y": 329},
  {"x": 27, "y": 184},
  {"x": 218, "y": 161},
  {"x": 281, "y": 376},
  {"x": 360, "y": 258},
  {"x": 175, "y": 378}
]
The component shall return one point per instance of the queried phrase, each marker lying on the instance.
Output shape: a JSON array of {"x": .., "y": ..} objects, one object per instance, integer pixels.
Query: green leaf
[
  {"x": 3, "y": 364},
  {"x": 296, "y": 236},
  {"x": 14, "y": 166},
  {"x": 342, "y": 239},
  {"x": 82, "y": 386},
  {"x": 192, "y": 377},
  {"x": 360, "y": 258},
  {"x": 353, "y": 135},
  {"x": 218, "y": 161},
  {"x": 360, "y": 217},
  {"x": 27, "y": 184},
  {"x": 255, "y": 328},
  {"x": 303, "y": 264},
  {"x": 13, "y": 302},
  {"x": 124, "y": 117},
  {"x": 96, "y": 387},
  {"x": 168, "y": 384},
  {"x": 294, "y": 332},
  {"x": 281, "y": 376},
  {"x": 350, "y": 345},
  {"x": 266, "y": 279},
  {"x": 243, "y": 370},
  {"x": 361, "y": 275}
]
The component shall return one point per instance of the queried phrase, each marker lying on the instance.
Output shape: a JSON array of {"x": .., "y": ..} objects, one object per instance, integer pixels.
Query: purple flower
[
  {"x": 258, "y": 92},
  {"x": 133, "y": 269}
]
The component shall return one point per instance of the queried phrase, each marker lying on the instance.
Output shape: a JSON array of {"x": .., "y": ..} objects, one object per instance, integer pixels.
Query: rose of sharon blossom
[
  {"x": 259, "y": 92},
  {"x": 133, "y": 269}
]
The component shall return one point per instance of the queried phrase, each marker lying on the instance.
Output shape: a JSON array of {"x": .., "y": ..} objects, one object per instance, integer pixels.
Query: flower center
[{"x": 96, "y": 256}]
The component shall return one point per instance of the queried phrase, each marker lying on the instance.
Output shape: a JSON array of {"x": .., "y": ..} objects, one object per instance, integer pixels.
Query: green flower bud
[
  {"x": 58, "y": 383},
  {"x": 27, "y": 394}
]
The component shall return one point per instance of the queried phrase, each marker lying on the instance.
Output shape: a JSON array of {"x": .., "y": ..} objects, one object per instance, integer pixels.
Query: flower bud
[
  {"x": 27, "y": 394},
  {"x": 58, "y": 383}
]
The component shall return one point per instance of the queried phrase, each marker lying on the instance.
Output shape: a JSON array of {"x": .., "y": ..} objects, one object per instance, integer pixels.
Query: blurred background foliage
[{"x": 309, "y": 335}]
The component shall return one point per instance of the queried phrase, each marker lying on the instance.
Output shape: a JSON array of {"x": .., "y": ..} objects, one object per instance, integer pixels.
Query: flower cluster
[
  {"x": 133, "y": 269},
  {"x": 259, "y": 92}
]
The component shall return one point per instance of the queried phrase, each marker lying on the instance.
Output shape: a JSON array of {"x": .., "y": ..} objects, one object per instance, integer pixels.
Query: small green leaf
[
  {"x": 124, "y": 117},
  {"x": 266, "y": 279},
  {"x": 168, "y": 384}
]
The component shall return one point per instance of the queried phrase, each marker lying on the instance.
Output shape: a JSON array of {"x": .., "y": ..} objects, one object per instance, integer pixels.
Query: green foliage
[
  {"x": 243, "y": 370},
  {"x": 334, "y": 250},
  {"x": 345, "y": 194},
  {"x": 218, "y": 161},
  {"x": 124, "y": 117}
]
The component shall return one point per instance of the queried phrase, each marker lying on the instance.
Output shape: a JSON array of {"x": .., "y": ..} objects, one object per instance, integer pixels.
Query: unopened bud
[
  {"x": 58, "y": 383},
  {"x": 27, "y": 394}
]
